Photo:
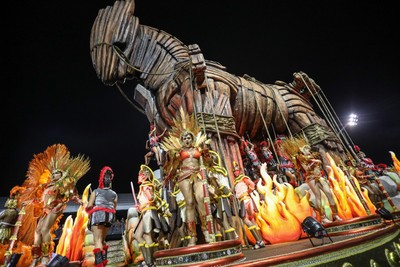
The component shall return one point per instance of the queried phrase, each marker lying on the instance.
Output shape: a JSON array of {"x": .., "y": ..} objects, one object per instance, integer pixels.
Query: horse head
[
  {"x": 123, "y": 49},
  {"x": 114, "y": 29}
]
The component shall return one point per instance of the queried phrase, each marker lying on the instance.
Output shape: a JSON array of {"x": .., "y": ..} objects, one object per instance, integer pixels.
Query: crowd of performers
[
  {"x": 34, "y": 210},
  {"x": 36, "y": 207},
  {"x": 192, "y": 201}
]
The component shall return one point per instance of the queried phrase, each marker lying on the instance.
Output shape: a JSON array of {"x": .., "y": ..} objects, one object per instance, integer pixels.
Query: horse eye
[{"x": 121, "y": 46}]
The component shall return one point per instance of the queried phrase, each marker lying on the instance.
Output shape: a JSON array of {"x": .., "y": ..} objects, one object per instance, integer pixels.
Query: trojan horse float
[{"x": 171, "y": 75}]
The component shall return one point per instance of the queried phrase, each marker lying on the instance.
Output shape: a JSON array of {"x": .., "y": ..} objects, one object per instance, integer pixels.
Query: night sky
[{"x": 51, "y": 93}]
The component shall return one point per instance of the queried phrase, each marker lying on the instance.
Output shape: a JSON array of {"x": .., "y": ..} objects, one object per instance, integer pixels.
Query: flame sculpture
[
  {"x": 277, "y": 223},
  {"x": 396, "y": 162},
  {"x": 63, "y": 242},
  {"x": 73, "y": 236},
  {"x": 299, "y": 207},
  {"x": 344, "y": 210},
  {"x": 280, "y": 189},
  {"x": 249, "y": 235},
  {"x": 282, "y": 210},
  {"x": 351, "y": 197},
  {"x": 368, "y": 201}
]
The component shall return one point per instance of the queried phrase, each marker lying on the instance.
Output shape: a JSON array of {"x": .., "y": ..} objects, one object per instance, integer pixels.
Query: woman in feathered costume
[
  {"x": 184, "y": 147},
  {"x": 310, "y": 163},
  {"x": 51, "y": 179}
]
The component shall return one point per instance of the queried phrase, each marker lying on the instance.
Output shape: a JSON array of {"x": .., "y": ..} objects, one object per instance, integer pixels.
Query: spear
[
  {"x": 358, "y": 193},
  {"x": 133, "y": 194}
]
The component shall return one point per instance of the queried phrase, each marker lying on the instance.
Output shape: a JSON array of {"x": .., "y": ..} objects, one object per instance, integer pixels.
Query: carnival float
[{"x": 239, "y": 172}]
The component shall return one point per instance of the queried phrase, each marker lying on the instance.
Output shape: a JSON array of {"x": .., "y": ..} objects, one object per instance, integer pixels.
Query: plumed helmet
[
  {"x": 105, "y": 170},
  {"x": 264, "y": 144}
]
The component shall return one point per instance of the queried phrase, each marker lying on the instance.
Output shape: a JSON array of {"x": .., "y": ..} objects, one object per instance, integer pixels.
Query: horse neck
[{"x": 156, "y": 54}]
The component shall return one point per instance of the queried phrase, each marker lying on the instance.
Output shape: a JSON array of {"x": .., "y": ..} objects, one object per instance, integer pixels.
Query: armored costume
[
  {"x": 8, "y": 218},
  {"x": 149, "y": 219},
  {"x": 222, "y": 196},
  {"x": 103, "y": 211},
  {"x": 244, "y": 187}
]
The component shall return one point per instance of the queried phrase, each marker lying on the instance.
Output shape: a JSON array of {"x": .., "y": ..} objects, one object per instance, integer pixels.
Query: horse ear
[{"x": 131, "y": 6}]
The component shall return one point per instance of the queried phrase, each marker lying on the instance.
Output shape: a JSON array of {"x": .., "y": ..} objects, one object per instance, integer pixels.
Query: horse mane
[{"x": 156, "y": 53}]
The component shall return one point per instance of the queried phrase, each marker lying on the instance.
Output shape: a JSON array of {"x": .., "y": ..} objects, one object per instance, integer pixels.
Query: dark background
[{"x": 51, "y": 93}]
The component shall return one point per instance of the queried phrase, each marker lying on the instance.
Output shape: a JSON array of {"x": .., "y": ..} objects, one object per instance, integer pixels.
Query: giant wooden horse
[{"x": 172, "y": 74}]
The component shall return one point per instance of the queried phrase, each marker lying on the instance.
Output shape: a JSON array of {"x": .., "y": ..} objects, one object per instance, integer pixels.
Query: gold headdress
[
  {"x": 183, "y": 125},
  {"x": 11, "y": 203},
  {"x": 293, "y": 146},
  {"x": 78, "y": 167},
  {"x": 235, "y": 166},
  {"x": 59, "y": 158},
  {"x": 146, "y": 169}
]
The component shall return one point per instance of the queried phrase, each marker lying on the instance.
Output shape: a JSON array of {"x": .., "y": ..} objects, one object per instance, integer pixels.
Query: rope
[
  {"x": 265, "y": 124},
  {"x": 124, "y": 59},
  {"x": 223, "y": 158},
  {"x": 130, "y": 102},
  {"x": 216, "y": 124},
  {"x": 280, "y": 111},
  {"x": 324, "y": 113},
  {"x": 342, "y": 127}
]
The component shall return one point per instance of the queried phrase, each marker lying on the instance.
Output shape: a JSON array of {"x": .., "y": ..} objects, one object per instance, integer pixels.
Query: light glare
[{"x": 353, "y": 119}]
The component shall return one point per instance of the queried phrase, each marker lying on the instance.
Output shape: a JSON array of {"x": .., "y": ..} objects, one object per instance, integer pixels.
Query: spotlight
[
  {"x": 385, "y": 214},
  {"x": 58, "y": 261},
  {"x": 314, "y": 229}
]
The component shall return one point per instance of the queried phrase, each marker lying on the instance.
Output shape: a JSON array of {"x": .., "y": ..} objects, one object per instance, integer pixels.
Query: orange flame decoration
[
  {"x": 282, "y": 210},
  {"x": 72, "y": 238},
  {"x": 249, "y": 235},
  {"x": 396, "y": 162},
  {"x": 349, "y": 205},
  {"x": 340, "y": 195},
  {"x": 276, "y": 222}
]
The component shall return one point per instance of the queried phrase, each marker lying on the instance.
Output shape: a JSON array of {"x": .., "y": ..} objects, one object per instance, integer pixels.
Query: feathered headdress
[
  {"x": 59, "y": 158},
  {"x": 55, "y": 158},
  {"x": 294, "y": 148},
  {"x": 172, "y": 144},
  {"x": 235, "y": 166},
  {"x": 183, "y": 125}
]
